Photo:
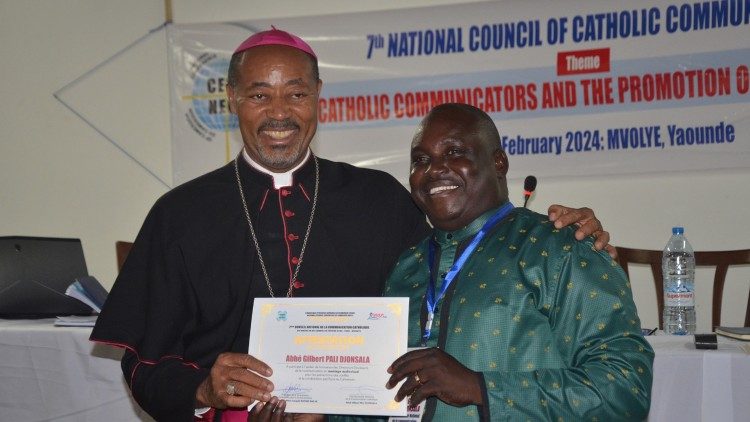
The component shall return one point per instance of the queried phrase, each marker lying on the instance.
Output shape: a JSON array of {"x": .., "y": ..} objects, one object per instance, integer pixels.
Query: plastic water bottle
[{"x": 678, "y": 266}]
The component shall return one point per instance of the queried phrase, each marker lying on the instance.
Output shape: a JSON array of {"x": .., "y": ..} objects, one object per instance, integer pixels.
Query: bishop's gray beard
[{"x": 282, "y": 157}]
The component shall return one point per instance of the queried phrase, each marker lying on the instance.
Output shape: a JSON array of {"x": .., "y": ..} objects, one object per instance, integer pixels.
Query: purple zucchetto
[{"x": 276, "y": 37}]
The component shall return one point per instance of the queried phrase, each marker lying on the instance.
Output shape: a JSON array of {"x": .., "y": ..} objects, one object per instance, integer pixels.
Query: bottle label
[{"x": 679, "y": 299}]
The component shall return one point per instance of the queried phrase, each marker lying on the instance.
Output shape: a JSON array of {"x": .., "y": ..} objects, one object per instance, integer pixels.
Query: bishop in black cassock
[{"x": 186, "y": 292}]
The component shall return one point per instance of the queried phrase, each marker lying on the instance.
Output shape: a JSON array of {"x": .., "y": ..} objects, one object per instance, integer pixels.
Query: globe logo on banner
[{"x": 209, "y": 113}]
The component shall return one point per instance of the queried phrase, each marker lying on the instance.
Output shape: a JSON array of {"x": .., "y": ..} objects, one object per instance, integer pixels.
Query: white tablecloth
[
  {"x": 52, "y": 373},
  {"x": 699, "y": 385}
]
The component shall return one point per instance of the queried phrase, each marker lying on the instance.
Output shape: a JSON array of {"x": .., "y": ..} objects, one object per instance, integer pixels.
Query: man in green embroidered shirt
[{"x": 529, "y": 324}]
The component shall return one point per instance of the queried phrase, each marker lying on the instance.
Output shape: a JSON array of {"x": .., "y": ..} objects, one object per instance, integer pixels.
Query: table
[
  {"x": 50, "y": 373},
  {"x": 55, "y": 373},
  {"x": 699, "y": 385}
]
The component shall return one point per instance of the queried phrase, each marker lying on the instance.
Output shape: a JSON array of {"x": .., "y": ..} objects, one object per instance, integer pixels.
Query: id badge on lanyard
[
  {"x": 431, "y": 297},
  {"x": 414, "y": 413}
]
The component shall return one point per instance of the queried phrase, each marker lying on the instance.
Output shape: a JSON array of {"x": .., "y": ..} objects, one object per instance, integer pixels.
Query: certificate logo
[
  {"x": 281, "y": 316},
  {"x": 377, "y": 315}
]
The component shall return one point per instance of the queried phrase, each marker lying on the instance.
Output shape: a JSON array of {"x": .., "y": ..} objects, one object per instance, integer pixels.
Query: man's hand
[
  {"x": 237, "y": 373},
  {"x": 273, "y": 411},
  {"x": 432, "y": 372},
  {"x": 588, "y": 225}
]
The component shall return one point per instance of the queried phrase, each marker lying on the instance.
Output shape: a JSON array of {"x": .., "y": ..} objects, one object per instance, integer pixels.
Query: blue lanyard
[{"x": 455, "y": 268}]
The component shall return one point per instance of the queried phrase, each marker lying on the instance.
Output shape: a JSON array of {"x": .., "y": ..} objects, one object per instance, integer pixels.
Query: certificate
[{"x": 330, "y": 355}]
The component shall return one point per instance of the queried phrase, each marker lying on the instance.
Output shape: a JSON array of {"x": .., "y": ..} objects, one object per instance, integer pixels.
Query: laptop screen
[{"x": 34, "y": 273}]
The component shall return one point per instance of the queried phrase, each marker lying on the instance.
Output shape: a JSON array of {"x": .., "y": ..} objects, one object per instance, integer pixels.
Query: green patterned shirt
[{"x": 548, "y": 321}]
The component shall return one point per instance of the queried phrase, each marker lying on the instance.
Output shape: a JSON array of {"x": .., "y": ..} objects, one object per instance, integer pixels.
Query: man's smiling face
[
  {"x": 456, "y": 169},
  {"x": 276, "y": 102}
]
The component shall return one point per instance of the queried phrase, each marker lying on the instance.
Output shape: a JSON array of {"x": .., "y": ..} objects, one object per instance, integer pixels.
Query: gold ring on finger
[{"x": 417, "y": 379}]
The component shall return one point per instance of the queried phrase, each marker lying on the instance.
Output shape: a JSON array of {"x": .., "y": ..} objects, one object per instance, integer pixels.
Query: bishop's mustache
[{"x": 271, "y": 124}]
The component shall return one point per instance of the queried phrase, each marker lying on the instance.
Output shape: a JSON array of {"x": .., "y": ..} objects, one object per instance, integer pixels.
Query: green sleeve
[{"x": 597, "y": 334}]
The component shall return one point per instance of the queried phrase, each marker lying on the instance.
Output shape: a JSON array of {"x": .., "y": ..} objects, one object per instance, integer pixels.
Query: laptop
[{"x": 34, "y": 273}]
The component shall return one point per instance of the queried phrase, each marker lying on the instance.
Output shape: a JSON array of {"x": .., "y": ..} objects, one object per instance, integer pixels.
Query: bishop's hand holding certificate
[{"x": 330, "y": 355}]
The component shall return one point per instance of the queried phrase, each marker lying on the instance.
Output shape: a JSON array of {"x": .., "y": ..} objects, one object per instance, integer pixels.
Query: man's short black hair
[{"x": 481, "y": 119}]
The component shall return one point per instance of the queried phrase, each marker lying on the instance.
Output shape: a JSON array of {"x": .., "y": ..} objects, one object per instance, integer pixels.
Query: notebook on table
[{"x": 34, "y": 274}]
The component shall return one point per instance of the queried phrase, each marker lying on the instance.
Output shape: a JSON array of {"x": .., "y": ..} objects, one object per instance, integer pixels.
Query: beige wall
[{"x": 60, "y": 177}]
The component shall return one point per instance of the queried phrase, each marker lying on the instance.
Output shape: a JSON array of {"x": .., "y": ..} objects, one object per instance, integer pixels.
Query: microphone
[{"x": 529, "y": 185}]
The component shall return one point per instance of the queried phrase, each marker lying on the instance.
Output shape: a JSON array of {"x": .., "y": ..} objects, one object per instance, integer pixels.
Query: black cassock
[{"x": 185, "y": 293}]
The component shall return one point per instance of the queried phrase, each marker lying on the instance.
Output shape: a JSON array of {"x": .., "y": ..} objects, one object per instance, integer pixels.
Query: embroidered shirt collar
[
  {"x": 445, "y": 238},
  {"x": 279, "y": 179}
]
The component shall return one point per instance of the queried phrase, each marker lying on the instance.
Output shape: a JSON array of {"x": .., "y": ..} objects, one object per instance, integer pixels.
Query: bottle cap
[{"x": 678, "y": 230}]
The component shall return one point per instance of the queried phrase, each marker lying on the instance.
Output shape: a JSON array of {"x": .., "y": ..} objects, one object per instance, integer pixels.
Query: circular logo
[{"x": 210, "y": 98}]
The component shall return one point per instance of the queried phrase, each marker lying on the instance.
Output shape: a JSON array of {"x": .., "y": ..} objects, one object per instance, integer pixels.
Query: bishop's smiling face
[
  {"x": 457, "y": 167},
  {"x": 276, "y": 102}
]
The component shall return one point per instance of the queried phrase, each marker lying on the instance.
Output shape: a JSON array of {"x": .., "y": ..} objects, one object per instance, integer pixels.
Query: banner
[{"x": 576, "y": 88}]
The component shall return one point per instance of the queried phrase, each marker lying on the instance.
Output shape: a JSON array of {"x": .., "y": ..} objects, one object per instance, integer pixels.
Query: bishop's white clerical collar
[{"x": 279, "y": 179}]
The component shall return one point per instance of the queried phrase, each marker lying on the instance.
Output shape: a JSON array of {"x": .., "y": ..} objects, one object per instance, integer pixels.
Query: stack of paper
[
  {"x": 89, "y": 291},
  {"x": 75, "y": 321}
]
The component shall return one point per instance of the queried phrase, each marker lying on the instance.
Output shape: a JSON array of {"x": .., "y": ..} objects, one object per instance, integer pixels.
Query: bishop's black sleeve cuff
[{"x": 166, "y": 390}]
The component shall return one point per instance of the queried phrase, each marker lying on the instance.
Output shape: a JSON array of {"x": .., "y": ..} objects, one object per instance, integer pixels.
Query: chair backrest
[
  {"x": 122, "y": 249},
  {"x": 651, "y": 258},
  {"x": 721, "y": 260}
]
